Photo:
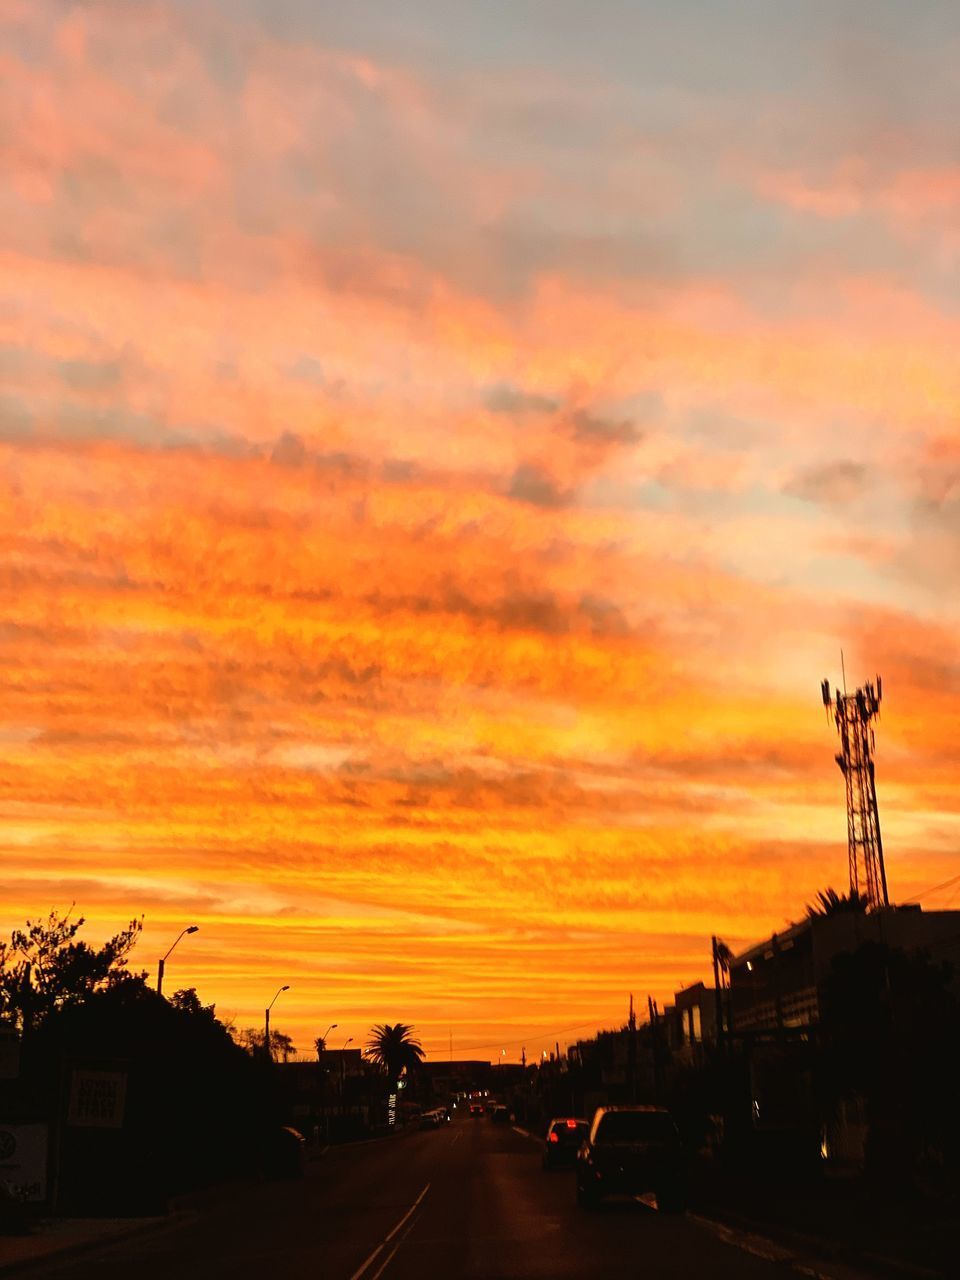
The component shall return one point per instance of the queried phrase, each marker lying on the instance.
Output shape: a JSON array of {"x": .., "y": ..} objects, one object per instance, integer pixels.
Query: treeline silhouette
[{"x": 196, "y": 1106}]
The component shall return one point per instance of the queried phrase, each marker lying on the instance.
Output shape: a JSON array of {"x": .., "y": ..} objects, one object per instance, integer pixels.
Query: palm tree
[
  {"x": 831, "y": 903},
  {"x": 394, "y": 1048}
]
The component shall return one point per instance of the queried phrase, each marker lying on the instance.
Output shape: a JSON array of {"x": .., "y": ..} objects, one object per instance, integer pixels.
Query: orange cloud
[{"x": 416, "y": 554}]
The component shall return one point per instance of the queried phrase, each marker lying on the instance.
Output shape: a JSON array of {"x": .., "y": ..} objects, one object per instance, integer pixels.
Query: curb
[
  {"x": 824, "y": 1247},
  {"x": 68, "y": 1250}
]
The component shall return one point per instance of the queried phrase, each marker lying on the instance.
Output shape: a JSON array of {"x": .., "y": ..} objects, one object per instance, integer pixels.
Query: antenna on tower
[{"x": 854, "y": 714}]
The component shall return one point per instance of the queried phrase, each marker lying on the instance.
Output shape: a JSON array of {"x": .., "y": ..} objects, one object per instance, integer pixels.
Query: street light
[
  {"x": 191, "y": 928},
  {"x": 266, "y": 1022},
  {"x": 343, "y": 1062},
  {"x": 332, "y": 1027}
]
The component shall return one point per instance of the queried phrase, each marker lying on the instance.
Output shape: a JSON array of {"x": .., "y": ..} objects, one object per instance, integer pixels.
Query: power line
[
  {"x": 522, "y": 1040},
  {"x": 932, "y": 889}
]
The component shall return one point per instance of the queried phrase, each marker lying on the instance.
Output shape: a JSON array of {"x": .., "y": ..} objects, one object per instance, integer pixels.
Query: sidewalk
[
  {"x": 914, "y": 1239},
  {"x": 58, "y": 1238}
]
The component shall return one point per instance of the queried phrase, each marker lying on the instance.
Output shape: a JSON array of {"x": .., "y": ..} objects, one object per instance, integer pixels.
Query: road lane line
[
  {"x": 396, "y": 1248},
  {"x": 394, "y": 1251},
  {"x": 361, "y": 1270},
  {"x": 524, "y": 1133},
  {"x": 363, "y": 1266},
  {"x": 389, "y": 1258},
  {"x": 408, "y": 1214}
]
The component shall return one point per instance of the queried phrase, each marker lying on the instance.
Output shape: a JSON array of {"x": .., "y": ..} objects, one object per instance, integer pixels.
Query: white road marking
[
  {"x": 396, "y": 1248},
  {"x": 386, "y": 1262},
  {"x": 361, "y": 1270},
  {"x": 524, "y": 1133}
]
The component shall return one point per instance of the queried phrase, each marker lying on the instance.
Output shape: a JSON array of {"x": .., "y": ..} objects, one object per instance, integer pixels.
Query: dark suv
[{"x": 630, "y": 1150}]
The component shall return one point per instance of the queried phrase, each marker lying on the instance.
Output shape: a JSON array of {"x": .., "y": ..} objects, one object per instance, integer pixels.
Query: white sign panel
[
  {"x": 97, "y": 1099},
  {"x": 23, "y": 1160}
]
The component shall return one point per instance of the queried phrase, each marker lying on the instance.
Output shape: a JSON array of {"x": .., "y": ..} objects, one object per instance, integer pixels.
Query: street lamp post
[
  {"x": 191, "y": 928},
  {"x": 266, "y": 1022},
  {"x": 321, "y": 1050}
]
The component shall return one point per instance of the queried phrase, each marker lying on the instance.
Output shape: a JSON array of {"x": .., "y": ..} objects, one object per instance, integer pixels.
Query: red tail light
[
  {"x": 553, "y": 1137},
  {"x": 571, "y": 1124}
]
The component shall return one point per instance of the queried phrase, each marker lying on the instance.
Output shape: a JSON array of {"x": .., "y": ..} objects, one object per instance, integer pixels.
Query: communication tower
[{"x": 854, "y": 714}]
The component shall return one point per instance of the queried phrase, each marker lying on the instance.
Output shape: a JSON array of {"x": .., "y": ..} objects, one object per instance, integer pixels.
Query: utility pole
[
  {"x": 266, "y": 1024},
  {"x": 632, "y": 1052},
  {"x": 854, "y": 714},
  {"x": 655, "y": 1040},
  {"x": 777, "y": 985},
  {"x": 718, "y": 997}
]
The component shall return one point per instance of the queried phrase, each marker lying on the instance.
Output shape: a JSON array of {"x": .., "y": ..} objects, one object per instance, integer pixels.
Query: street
[{"x": 468, "y": 1200}]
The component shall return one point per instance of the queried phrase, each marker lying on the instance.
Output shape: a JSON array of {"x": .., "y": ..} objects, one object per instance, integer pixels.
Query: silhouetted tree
[
  {"x": 194, "y": 1104},
  {"x": 394, "y": 1048},
  {"x": 252, "y": 1040},
  {"x": 187, "y": 1000},
  {"x": 282, "y": 1045},
  {"x": 194, "y": 1100},
  {"x": 43, "y": 968},
  {"x": 831, "y": 903}
]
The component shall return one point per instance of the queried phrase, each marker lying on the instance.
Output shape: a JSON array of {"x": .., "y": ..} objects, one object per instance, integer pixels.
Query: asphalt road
[{"x": 466, "y": 1201}]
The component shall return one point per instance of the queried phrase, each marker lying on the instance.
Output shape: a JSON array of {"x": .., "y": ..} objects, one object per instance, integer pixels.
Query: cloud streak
[{"x": 432, "y": 486}]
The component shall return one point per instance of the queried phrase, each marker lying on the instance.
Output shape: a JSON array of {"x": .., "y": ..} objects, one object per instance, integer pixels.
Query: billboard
[
  {"x": 23, "y": 1160},
  {"x": 97, "y": 1099}
]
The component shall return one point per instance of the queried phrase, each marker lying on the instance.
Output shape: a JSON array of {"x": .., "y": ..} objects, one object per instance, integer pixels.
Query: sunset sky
[{"x": 443, "y": 446}]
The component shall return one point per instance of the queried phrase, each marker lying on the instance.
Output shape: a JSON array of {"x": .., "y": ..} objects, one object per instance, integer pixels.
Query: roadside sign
[
  {"x": 23, "y": 1160},
  {"x": 97, "y": 1099}
]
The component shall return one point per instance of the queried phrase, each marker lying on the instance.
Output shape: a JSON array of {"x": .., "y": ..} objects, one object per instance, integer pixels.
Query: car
[
  {"x": 283, "y": 1153},
  {"x": 431, "y": 1119},
  {"x": 500, "y": 1115},
  {"x": 476, "y": 1108},
  {"x": 630, "y": 1150},
  {"x": 561, "y": 1142}
]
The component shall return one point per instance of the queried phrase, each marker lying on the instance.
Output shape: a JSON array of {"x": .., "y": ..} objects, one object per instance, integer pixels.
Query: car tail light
[
  {"x": 571, "y": 1124},
  {"x": 553, "y": 1137}
]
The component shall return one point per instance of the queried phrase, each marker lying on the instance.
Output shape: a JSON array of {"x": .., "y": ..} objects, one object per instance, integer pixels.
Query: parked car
[
  {"x": 431, "y": 1119},
  {"x": 283, "y": 1153},
  {"x": 630, "y": 1150},
  {"x": 500, "y": 1115},
  {"x": 563, "y": 1137}
]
